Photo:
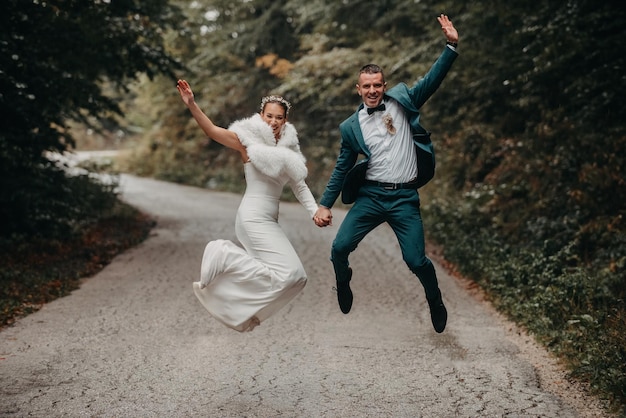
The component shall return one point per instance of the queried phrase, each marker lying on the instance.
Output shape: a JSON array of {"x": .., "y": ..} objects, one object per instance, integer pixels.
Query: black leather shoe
[
  {"x": 438, "y": 314},
  {"x": 344, "y": 294}
]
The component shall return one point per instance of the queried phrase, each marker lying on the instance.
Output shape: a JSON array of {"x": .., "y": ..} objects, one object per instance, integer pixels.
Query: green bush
[
  {"x": 578, "y": 312},
  {"x": 50, "y": 203}
]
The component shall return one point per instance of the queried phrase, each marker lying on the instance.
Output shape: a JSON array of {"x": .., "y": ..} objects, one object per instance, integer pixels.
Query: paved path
[{"x": 134, "y": 342}]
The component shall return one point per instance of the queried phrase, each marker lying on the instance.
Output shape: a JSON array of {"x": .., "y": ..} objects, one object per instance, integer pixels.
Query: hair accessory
[{"x": 275, "y": 99}]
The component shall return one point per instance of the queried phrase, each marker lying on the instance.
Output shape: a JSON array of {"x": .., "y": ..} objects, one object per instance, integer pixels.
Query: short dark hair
[{"x": 371, "y": 69}]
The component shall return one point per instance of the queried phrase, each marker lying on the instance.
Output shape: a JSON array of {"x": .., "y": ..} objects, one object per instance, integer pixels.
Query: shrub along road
[{"x": 134, "y": 341}]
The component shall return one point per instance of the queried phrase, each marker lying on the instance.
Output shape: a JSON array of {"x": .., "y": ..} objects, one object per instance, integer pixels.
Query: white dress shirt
[{"x": 393, "y": 158}]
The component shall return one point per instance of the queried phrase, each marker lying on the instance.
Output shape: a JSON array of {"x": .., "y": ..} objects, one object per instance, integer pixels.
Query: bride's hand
[
  {"x": 323, "y": 217},
  {"x": 185, "y": 92}
]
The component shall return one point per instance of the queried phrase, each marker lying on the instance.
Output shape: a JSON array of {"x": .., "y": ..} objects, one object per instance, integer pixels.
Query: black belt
[{"x": 392, "y": 186}]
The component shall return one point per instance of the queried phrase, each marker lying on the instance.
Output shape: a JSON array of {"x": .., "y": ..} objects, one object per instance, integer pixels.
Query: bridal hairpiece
[{"x": 275, "y": 99}]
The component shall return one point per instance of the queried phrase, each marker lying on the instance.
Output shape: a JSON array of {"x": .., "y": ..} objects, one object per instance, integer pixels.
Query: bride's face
[{"x": 274, "y": 115}]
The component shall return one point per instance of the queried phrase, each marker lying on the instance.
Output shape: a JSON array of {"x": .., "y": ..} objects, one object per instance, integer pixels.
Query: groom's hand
[{"x": 323, "y": 217}]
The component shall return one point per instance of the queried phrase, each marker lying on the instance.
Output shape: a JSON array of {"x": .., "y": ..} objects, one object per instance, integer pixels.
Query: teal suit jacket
[{"x": 411, "y": 99}]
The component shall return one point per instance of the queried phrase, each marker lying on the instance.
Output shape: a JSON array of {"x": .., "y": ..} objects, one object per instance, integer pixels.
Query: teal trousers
[{"x": 401, "y": 210}]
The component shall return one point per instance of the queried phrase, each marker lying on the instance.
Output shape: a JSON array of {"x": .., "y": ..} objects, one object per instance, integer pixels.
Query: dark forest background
[{"x": 529, "y": 197}]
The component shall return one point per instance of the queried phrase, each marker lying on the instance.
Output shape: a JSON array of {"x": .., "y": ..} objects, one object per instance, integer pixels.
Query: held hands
[
  {"x": 448, "y": 29},
  {"x": 323, "y": 217},
  {"x": 185, "y": 92}
]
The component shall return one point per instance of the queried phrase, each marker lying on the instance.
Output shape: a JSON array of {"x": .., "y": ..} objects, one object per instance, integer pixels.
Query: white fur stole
[{"x": 269, "y": 157}]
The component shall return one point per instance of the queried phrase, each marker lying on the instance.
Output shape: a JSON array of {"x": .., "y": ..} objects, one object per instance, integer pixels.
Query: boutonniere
[{"x": 388, "y": 121}]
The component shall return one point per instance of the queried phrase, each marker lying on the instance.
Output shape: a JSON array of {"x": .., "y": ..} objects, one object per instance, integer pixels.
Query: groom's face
[{"x": 371, "y": 88}]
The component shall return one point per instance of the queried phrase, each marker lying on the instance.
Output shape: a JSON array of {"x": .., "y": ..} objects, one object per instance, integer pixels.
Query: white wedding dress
[{"x": 242, "y": 287}]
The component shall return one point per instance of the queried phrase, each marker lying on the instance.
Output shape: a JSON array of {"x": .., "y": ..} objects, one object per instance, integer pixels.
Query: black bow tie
[{"x": 379, "y": 108}]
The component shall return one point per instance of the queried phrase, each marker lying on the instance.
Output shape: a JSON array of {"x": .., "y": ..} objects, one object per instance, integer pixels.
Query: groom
[{"x": 398, "y": 159}]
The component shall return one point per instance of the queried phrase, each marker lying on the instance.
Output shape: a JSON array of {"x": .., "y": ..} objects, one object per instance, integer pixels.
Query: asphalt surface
[{"x": 133, "y": 341}]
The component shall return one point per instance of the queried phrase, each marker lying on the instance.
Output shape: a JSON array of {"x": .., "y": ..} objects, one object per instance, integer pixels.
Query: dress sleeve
[{"x": 304, "y": 196}]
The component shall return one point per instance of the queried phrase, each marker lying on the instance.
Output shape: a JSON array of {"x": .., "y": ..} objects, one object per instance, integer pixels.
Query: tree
[{"x": 54, "y": 57}]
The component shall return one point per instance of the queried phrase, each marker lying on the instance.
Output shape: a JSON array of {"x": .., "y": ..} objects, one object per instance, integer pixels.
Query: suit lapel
[{"x": 358, "y": 134}]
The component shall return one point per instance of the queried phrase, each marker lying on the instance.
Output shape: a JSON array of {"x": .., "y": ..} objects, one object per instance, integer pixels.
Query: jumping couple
[{"x": 242, "y": 287}]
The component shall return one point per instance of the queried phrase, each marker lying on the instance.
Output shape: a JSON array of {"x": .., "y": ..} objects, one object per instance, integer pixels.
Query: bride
[{"x": 242, "y": 287}]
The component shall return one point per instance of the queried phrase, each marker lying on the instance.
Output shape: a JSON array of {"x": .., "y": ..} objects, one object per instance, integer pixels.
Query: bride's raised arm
[{"x": 217, "y": 133}]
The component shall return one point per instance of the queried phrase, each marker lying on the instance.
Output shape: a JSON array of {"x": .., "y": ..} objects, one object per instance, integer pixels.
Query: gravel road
[{"x": 133, "y": 341}]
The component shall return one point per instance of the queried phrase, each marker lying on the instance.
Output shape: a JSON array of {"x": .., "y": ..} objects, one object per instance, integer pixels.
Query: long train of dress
[{"x": 242, "y": 287}]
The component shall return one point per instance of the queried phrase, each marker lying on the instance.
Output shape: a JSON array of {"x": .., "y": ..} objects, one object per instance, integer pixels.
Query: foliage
[
  {"x": 54, "y": 58},
  {"x": 543, "y": 184},
  {"x": 57, "y": 205},
  {"x": 577, "y": 312}
]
